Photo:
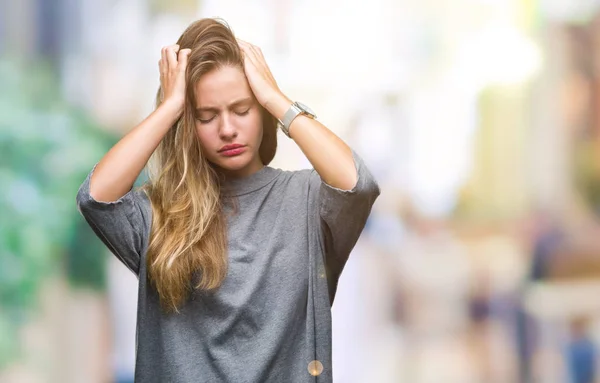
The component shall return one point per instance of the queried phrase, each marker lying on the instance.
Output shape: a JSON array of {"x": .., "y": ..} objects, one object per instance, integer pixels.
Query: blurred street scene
[{"x": 479, "y": 118}]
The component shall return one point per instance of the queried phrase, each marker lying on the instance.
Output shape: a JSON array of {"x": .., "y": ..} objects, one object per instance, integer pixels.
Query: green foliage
[{"x": 46, "y": 149}]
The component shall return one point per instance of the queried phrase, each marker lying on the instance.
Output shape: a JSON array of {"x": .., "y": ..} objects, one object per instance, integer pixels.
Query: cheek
[
  {"x": 199, "y": 135},
  {"x": 204, "y": 137},
  {"x": 257, "y": 126}
]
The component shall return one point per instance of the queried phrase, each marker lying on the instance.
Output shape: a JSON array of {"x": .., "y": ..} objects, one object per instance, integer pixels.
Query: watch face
[{"x": 305, "y": 108}]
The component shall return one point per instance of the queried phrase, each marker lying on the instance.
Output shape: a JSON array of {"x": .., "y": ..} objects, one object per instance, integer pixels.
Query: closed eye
[
  {"x": 205, "y": 121},
  {"x": 243, "y": 113}
]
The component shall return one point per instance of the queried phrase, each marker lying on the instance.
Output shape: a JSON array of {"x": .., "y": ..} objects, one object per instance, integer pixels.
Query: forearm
[
  {"x": 328, "y": 154},
  {"x": 117, "y": 171}
]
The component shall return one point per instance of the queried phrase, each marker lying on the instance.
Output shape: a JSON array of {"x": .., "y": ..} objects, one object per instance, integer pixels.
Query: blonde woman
[{"x": 237, "y": 261}]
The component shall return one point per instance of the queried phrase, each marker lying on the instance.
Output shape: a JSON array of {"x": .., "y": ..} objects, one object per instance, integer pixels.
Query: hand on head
[{"x": 172, "y": 66}]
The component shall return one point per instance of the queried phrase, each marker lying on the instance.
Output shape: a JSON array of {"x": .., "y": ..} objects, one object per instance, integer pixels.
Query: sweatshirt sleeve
[
  {"x": 122, "y": 225},
  {"x": 343, "y": 214}
]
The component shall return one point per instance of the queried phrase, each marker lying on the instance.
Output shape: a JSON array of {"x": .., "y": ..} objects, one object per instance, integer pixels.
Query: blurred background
[{"x": 479, "y": 118}]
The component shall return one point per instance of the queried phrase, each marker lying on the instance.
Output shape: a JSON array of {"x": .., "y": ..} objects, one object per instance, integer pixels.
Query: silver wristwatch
[{"x": 294, "y": 111}]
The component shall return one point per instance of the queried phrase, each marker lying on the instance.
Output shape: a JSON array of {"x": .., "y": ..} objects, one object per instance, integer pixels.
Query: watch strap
[{"x": 294, "y": 111}]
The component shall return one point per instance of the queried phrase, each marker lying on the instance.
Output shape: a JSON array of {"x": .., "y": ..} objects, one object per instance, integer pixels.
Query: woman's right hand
[
  {"x": 172, "y": 75},
  {"x": 117, "y": 171}
]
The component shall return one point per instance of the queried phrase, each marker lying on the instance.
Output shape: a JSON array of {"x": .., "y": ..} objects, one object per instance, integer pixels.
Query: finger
[
  {"x": 183, "y": 58},
  {"x": 257, "y": 61},
  {"x": 250, "y": 60},
  {"x": 254, "y": 51},
  {"x": 246, "y": 47},
  {"x": 257, "y": 51},
  {"x": 260, "y": 63},
  {"x": 163, "y": 61},
  {"x": 248, "y": 53},
  {"x": 251, "y": 47},
  {"x": 260, "y": 59},
  {"x": 172, "y": 56},
  {"x": 242, "y": 45}
]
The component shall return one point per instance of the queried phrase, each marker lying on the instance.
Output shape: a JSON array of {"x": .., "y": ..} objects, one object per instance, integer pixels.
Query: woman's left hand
[{"x": 259, "y": 76}]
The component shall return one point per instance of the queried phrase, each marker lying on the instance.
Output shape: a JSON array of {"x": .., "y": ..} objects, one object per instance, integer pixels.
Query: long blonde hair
[{"x": 188, "y": 237}]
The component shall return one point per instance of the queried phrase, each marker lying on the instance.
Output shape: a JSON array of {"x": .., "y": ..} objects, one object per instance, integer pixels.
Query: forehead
[{"x": 221, "y": 86}]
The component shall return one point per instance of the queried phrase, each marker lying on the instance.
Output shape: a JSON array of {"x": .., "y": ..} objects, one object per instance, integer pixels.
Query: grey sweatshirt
[{"x": 270, "y": 321}]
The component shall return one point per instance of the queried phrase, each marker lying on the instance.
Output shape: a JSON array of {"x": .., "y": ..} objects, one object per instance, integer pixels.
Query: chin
[{"x": 234, "y": 164}]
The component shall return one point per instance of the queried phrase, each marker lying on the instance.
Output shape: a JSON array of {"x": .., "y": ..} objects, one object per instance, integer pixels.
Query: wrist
[
  {"x": 278, "y": 105},
  {"x": 172, "y": 106},
  {"x": 171, "y": 110}
]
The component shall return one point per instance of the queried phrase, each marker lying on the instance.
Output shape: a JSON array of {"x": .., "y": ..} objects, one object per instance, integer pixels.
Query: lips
[
  {"x": 232, "y": 150},
  {"x": 230, "y": 147}
]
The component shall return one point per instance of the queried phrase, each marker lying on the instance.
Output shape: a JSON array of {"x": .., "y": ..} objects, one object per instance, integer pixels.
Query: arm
[
  {"x": 117, "y": 171},
  {"x": 329, "y": 155},
  {"x": 341, "y": 185},
  {"x": 120, "y": 216}
]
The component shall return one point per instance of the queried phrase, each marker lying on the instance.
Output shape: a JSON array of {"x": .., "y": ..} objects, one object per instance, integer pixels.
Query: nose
[{"x": 227, "y": 130}]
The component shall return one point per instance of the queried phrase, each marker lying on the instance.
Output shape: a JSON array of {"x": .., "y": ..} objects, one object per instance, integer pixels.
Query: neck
[{"x": 247, "y": 171}]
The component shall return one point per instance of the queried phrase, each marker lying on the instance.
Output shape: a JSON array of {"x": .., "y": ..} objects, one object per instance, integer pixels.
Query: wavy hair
[{"x": 188, "y": 241}]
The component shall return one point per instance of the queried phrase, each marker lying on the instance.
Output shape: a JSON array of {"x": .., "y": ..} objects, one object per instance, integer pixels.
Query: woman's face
[{"x": 228, "y": 121}]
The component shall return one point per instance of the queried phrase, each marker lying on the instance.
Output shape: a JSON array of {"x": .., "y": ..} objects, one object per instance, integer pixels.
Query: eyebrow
[{"x": 246, "y": 100}]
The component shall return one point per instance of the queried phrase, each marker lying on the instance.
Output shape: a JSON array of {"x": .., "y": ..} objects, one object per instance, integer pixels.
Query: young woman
[{"x": 237, "y": 262}]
